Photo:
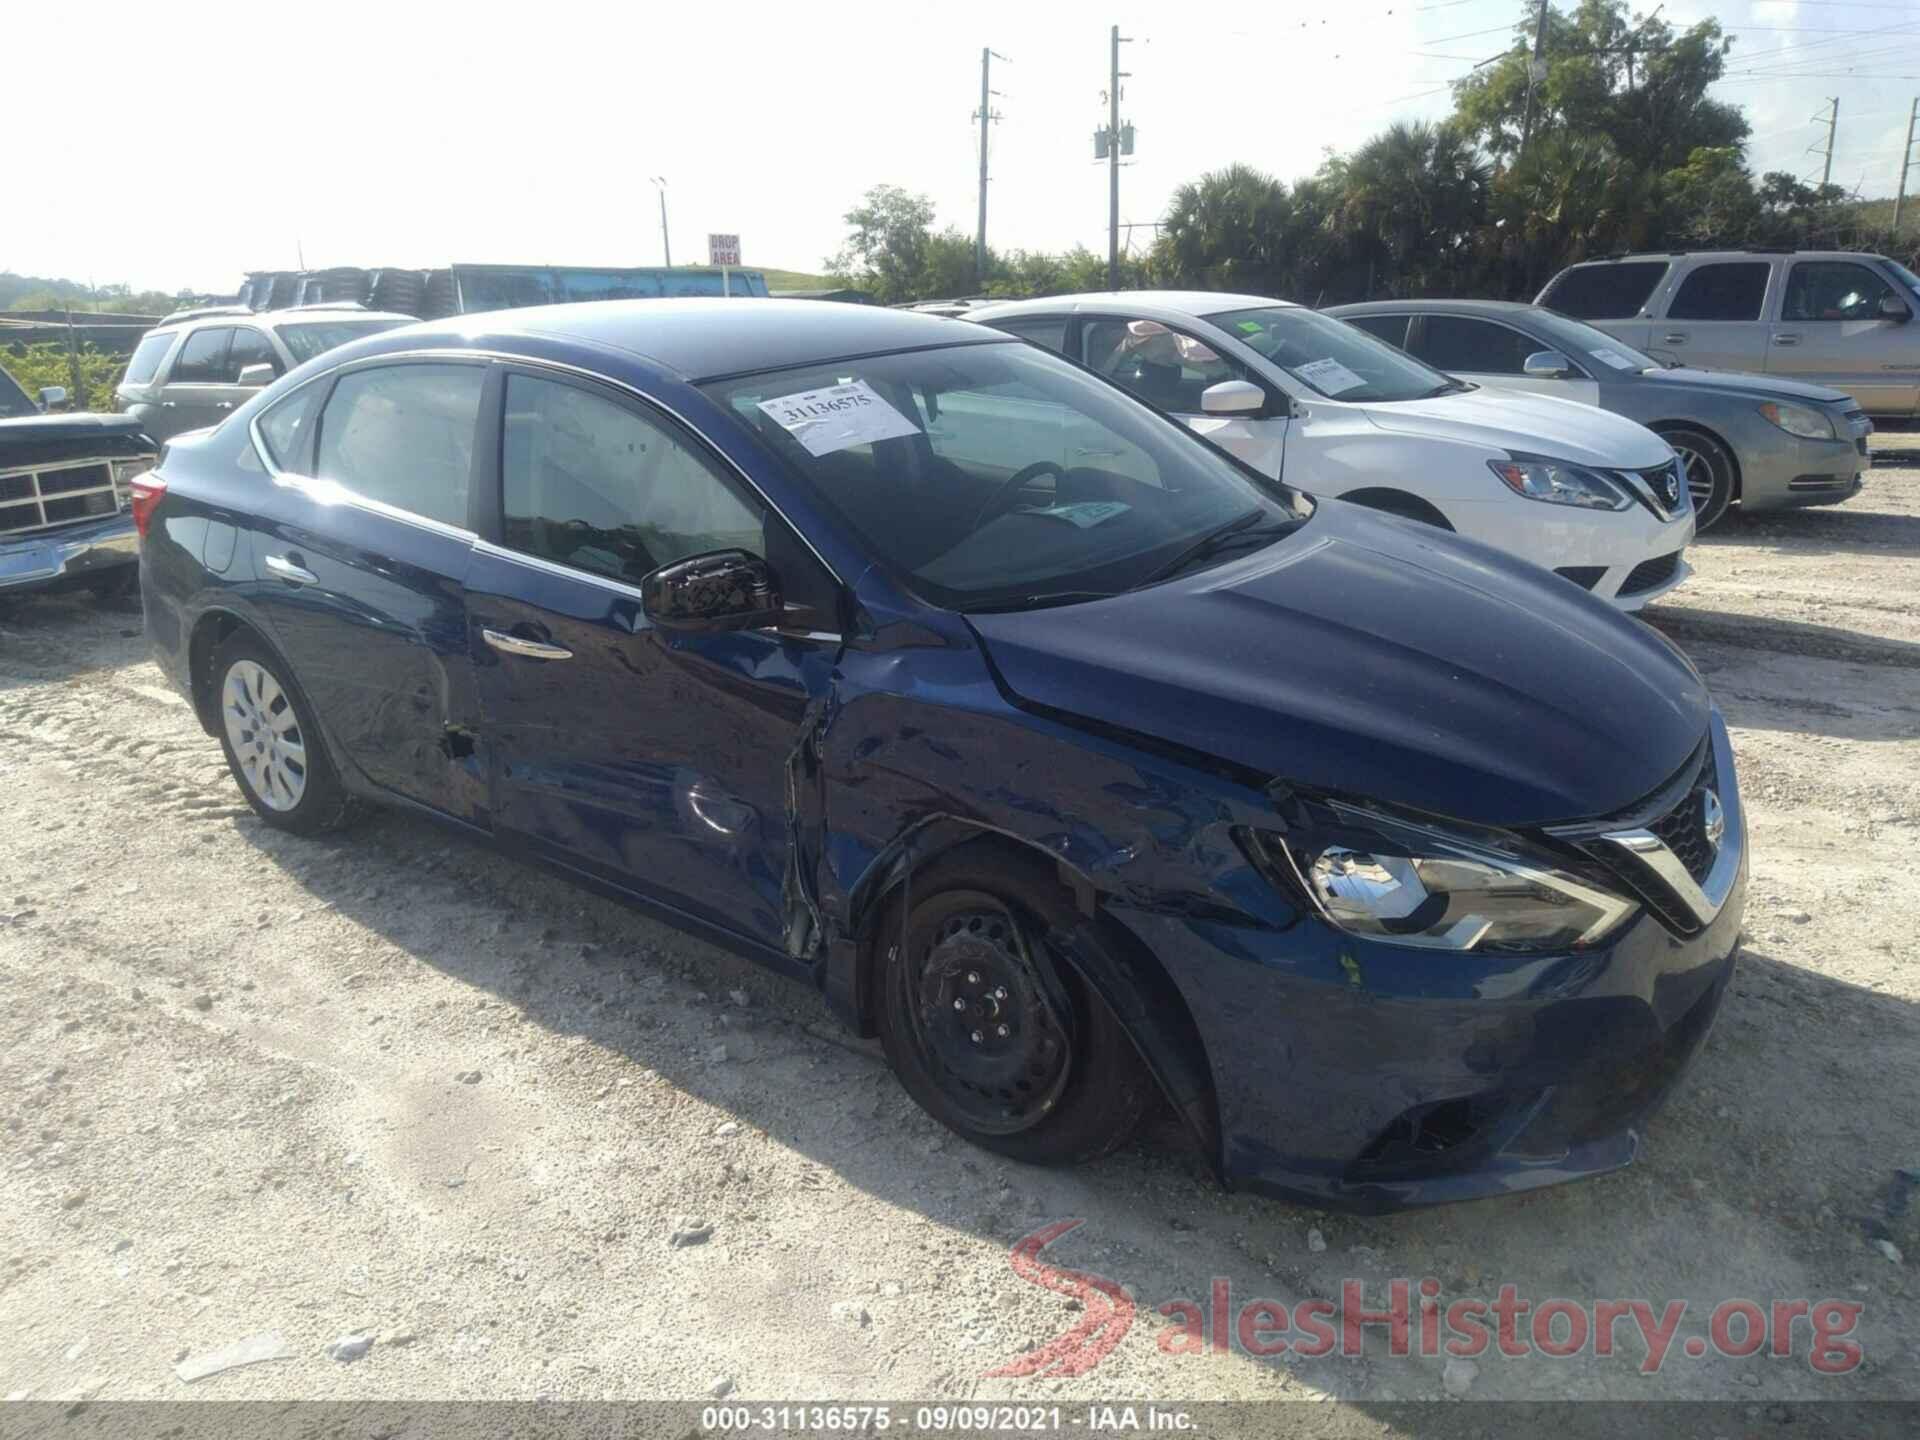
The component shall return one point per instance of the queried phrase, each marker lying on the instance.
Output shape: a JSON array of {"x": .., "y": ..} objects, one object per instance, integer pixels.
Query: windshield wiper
[
  {"x": 1038, "y": 602},
  {"x": 1241, "y": 527}
]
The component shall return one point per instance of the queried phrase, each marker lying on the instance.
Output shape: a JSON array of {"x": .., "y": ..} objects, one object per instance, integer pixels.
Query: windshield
[
  {"x": 1001, "y": 476},
  {"x": 14, "y": 403},
  {"x": 1577, "y": 337},
  {"x": 319, "y": 336},
  {"x": 1333, "y": 358}
]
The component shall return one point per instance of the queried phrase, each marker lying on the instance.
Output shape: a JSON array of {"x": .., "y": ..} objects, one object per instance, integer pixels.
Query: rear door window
[
  {"x": 1479, "y": 347},
  {"x": 1611, "y": 290},
  {"x": 203, "y": 358},
  {"x": 1047, "y": 330},
  {"x": 403, "y": 435},
  {"x": 1390, "y": 328},
  {"x": 147, "y": 356},
  {"x": 249, "y": 347},
  {"x": 1731, "y": 290},
  {"x": 1833, "y": 290}
]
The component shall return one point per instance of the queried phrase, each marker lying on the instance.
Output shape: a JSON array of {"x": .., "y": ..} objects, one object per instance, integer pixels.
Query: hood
[
  {"x": 1760, "y": 387},
  {"x": 1384, "y": 660},
  {"x": 1515, "y": 420},
  {"x": 44, "y": 439}
]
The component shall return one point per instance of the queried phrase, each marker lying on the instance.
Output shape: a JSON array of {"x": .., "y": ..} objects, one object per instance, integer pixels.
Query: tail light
[{"x": 148, "y": 490}]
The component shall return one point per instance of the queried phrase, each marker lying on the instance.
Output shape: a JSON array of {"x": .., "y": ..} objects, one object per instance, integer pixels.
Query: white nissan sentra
[{"x": 1590, "y": 495}]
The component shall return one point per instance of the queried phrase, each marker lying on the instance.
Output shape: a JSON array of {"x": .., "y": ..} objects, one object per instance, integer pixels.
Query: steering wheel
[{"x": 1014, "y": 483}]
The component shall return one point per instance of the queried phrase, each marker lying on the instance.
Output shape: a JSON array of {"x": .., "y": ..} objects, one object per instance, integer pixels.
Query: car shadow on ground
[
  {"x": 1857, "y": 526},
  {"x": 1771, "y": 1147},
  {"x": 54, "y": 637},
  {"x": 1691, "y": 626}
]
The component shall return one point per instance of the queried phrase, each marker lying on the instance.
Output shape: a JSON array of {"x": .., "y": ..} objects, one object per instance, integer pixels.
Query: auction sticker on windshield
[
  {"x": 1329, "y": 376},
  {"x": 1613, "y": 358},
  {"x": 838, "y": 417}
]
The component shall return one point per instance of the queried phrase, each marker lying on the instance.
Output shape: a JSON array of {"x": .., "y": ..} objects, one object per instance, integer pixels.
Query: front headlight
[
  {"x": 1802, "y": 420},
  {"x": 124, "y": 473},
  {"x": 1558, "y": 482},
  {"x": 1411, "y": 884}
]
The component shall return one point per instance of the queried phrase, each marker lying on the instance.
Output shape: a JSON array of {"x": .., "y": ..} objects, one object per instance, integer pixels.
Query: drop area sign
[{"x": 723, "y": 249}]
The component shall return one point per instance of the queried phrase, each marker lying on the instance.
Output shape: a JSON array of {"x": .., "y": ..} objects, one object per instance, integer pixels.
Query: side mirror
[
  {"x": 1233, "y": 397},
  {"x": 1547, "y": 365},
  {"x": 720, "y": 590},
  {"x": 1892, "y": 307},
  {"x": 53, "y": 397},
  {"x": 254, "y": 376}
]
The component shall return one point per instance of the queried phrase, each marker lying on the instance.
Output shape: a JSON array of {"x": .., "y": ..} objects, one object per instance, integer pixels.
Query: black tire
[
  {"x": 1708, "y": 468},
  {"x": 322, "y": 802},
  {"x": 1398, "y": 502},
  {"x": 1066, "y": 1084}
]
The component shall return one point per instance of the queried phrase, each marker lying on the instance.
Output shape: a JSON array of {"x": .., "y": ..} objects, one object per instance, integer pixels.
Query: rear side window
[
  {"x": 1612, "y": 290},
  {"x": 1734, "y": 290},
  {"x": 1047, "y": 330},
  {"x": 1390, "y": 328},
  {"x": 147, "y": 356},
  {"x": 589, "y": 483},
  {"x": 403, "y": 435},
  {"x": 286, "y": 430},
  {"x": 250, "y": 347},
  {"x": 203, "y": 358},
  {"x": 1833, "y": 290},
  {"x": 1454, "y": 342}
]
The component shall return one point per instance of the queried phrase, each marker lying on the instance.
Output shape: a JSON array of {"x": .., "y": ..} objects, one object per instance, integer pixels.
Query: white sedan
[{"x": 1593, "y": 496}]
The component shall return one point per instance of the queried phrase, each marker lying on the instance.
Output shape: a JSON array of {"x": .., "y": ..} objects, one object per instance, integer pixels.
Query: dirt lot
[{"x": 389, "y": 1084}]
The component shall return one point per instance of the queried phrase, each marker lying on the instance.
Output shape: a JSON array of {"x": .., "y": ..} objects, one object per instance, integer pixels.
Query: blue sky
[{"x": 213, "y": 137}]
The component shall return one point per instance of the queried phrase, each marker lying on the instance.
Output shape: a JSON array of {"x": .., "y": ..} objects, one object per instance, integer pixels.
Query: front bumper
[
  {"x": 1356, "y": 1075},
  {"x": 74, "y": 555},
  {"x": 1779, "y": 470},
  {"x": 1625, "y": 557}
]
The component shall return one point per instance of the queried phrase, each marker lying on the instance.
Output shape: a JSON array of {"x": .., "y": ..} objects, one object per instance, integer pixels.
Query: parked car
[
  {"x": 1593, "y": 497},
  {"x": 65, "y": 502},
  {"x": 1068, "y": 777},
  {"x": 1825, "y": 317},
  {"x": 1761, "y": 440},
  {"x": 196, "y": 368}
]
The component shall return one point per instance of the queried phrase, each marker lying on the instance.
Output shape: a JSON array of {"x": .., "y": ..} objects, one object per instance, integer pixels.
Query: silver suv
[
  {"x": 197, "y": 366},
  {"x": 1827, "y": 317}
]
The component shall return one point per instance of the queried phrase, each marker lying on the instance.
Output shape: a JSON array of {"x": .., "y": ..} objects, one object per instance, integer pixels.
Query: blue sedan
[{"x": 1075, "y": 760}]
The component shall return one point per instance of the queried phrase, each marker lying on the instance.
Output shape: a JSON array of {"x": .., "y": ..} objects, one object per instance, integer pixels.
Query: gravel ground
[{"x": 391, "y": 1086}]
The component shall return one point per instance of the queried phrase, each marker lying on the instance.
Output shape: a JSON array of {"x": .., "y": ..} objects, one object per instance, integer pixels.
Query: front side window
[
  {"x": 14, "y": 404},
  {"x": 1833, "y": 290},
  {"x": 1390, "y": 328},
  {"x": 1611, "y": 290},
  {"x": 203, "y": 358},
  {"x": 1001, "y": 476},
  {"x": 1331, "y": 357},
  {"x": 1478, "y": 347},
  {"x": 590, "y": 483},
  {"x": 147, "y": 356},
  {"x": 403, "y": 435},
  {"x": 1162, "y": 366},
  {"x": 1733, "y": 290},
  {"x": 315, "y": 337}
]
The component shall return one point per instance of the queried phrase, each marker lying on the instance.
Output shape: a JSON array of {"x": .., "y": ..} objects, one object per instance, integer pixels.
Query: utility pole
[
  {"x": 1833, "y": 122},
  {"x": 1113, "y": 161},
  {"x": 666, "y": 249},
  {"x": 1906, "y": 158},
  {"x": 1536, "y": 72},
  {"x": 986, "y": 114}
]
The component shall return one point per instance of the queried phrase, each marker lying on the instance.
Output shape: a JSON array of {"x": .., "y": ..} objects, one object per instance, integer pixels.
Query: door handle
[
  {"x": 1786, "y": 339},
  {"x": 1678, "y": 337},
  {"x": 530, "y": 649},
  {"x": 169, "y": 404},
  {"x": 224, "y": 405},
  {"x": 290, "y": 571}
]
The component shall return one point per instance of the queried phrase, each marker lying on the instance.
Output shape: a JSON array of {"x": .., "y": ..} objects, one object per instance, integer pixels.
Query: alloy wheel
[
  {"x": 265, "y": 734},
  {"x": 1698, "y": 468}
]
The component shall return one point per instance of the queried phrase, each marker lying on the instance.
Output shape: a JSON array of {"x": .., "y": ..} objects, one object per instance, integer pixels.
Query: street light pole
[{"x": 666, "y": 248}]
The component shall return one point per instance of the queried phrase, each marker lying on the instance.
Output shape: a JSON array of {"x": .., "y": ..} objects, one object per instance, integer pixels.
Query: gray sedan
[{"x": 1756, "y": 439}]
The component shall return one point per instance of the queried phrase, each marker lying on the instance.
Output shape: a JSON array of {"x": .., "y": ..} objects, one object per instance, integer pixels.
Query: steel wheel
[
  {"x": 990, "y": 1033},
  {"x": 268, "y": 745}
]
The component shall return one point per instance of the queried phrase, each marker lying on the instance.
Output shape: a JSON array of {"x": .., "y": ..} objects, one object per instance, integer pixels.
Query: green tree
[
  {"x": 1410, "y": 202},
  {"x": 886, "y": 249}
]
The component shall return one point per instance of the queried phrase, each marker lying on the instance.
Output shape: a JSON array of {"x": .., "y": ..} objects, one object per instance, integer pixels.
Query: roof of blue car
[{"x": 702, "y": 338}]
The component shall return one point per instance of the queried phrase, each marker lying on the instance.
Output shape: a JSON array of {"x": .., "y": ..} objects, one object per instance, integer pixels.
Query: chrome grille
[
  {"x": 1683, "y": 828},
  {"x": 1658, "y": 483},
  {"x": 47, "y": 496}
]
